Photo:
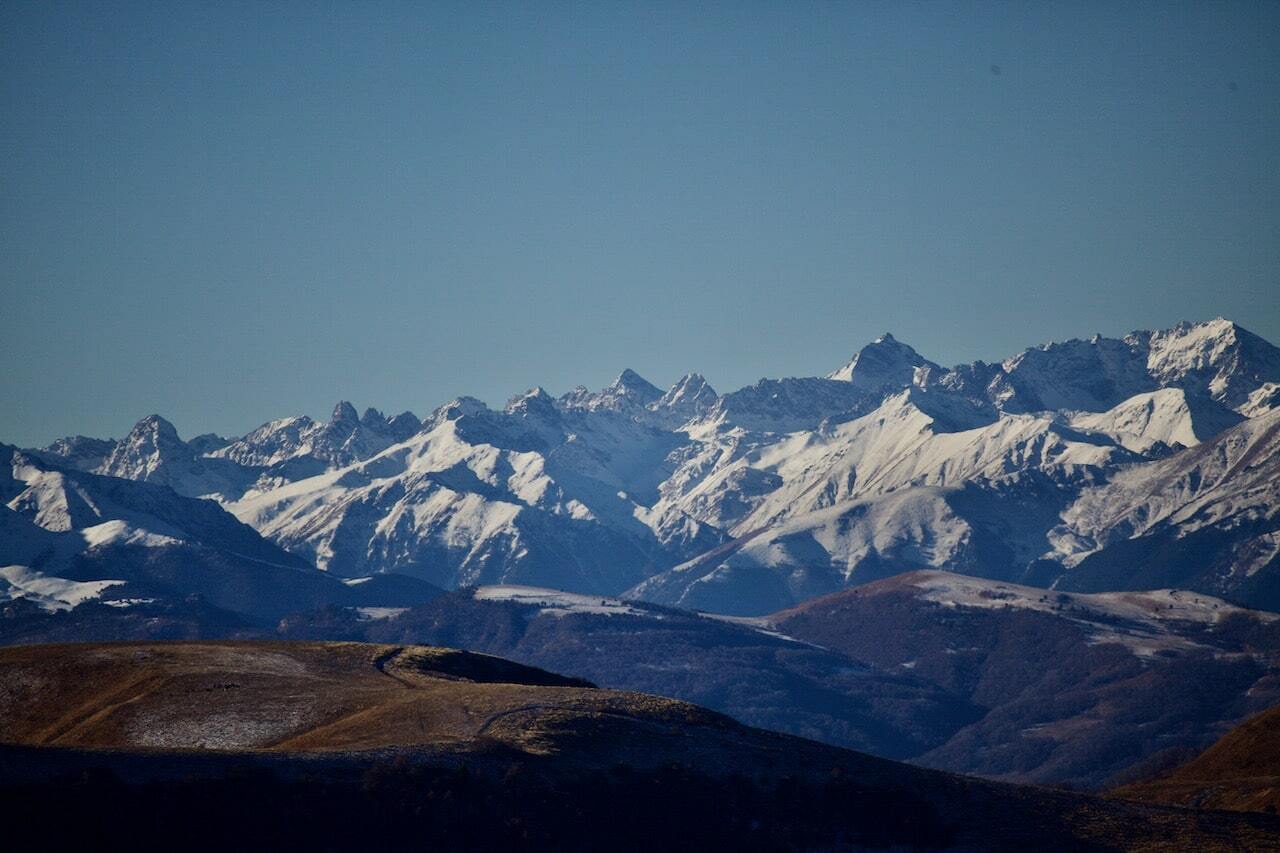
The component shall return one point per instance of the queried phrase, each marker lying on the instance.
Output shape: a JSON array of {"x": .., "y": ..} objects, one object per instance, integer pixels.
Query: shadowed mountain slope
[{"x": 1073, "y": 688}]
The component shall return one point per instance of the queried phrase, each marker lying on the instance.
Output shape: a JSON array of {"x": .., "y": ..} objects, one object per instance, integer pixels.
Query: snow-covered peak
[
  {"x": 691, "y": 397},
  {"x": 79, "y": 452},
  {"x": 454, "y": 409},
  {"x": 787, "y": 405},
  {"x": 1218, "y": 359},
  {"x": 156, "y": 430},
  {"x": 629, "y": 392},
  {"x": 1081, "y": 375},
  {"x": 691, "y": 387},
  {"x": 535, "y": 402},
  {"x": 885, "y": 364},
  {"x": 152, "y": 451},
  {"x": 635, "y": 386}
]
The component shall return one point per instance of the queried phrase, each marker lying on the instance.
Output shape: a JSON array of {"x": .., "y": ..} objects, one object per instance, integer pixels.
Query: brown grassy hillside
[
  {"x": 1240, "y": 772},
  {"x": 342, "y": 745}
]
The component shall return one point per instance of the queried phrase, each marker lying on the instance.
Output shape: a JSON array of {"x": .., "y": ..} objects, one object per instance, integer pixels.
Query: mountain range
[
  {"x": 1112, "y": 503},
  {"x": 1082, "y": 465}
]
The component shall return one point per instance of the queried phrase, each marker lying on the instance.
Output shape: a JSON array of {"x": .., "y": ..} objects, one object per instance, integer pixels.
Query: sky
[{"x": 227, "y": 213}]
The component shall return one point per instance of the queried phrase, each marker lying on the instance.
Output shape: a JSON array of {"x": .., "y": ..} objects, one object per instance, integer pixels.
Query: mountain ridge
[{"x": 896, "y": 464}]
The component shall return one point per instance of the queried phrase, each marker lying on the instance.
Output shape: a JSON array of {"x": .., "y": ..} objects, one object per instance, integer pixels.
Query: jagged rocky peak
[
  {"x": 156, "y": 427},
  {"x": 691, "y": 398},
  {"x": 403, "y": 425},
  {"x": 1216, "y": 359},
  {"x": 151, "y": 434},
  {"x": 344, "y": 412},
  {"x": 883, "y": 365},
  {"x": 787, "y": 405},
  {"x": 398, "y": 427}
]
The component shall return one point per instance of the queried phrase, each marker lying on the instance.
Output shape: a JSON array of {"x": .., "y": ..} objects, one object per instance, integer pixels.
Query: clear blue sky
[{"x": 230, "y": 212}]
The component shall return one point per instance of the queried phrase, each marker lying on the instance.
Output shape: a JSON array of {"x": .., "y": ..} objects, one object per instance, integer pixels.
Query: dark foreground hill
[
  {"x": 1240, "y": 772},
  {"x": 344, "y": 746}
]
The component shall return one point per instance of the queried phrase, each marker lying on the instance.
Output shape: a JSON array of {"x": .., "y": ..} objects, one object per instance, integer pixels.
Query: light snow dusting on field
[
  {"x": 1134, "y": 619},
  {"x": 558, "y": 603}
]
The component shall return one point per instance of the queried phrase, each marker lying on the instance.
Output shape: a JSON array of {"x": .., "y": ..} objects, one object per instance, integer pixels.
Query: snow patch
[{"x": 51, "y": 593}]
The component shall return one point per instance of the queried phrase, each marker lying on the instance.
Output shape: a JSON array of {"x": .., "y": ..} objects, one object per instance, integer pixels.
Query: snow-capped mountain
[
  {"x": 690, "y": 398},
  {"x": 69, "y": 537},
  {"x": 534, "y": 493},
  {"x": 79, "y": 452},
  {"x": 892, "y": 490},
  {"x": 753, "y": 500},
  {"x": 152, "y": 452},
  {"x": 629, "y": 392},
  {"x": 1217, "y": 360},
  {"x": 884, "y": 365}
]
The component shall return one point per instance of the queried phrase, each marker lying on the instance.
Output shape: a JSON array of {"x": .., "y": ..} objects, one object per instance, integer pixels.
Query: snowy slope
[
  {"x": 886, "y": 492},
  {"x": 1207, "y": 518},
  {"x": 1169, "y": 416}
]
